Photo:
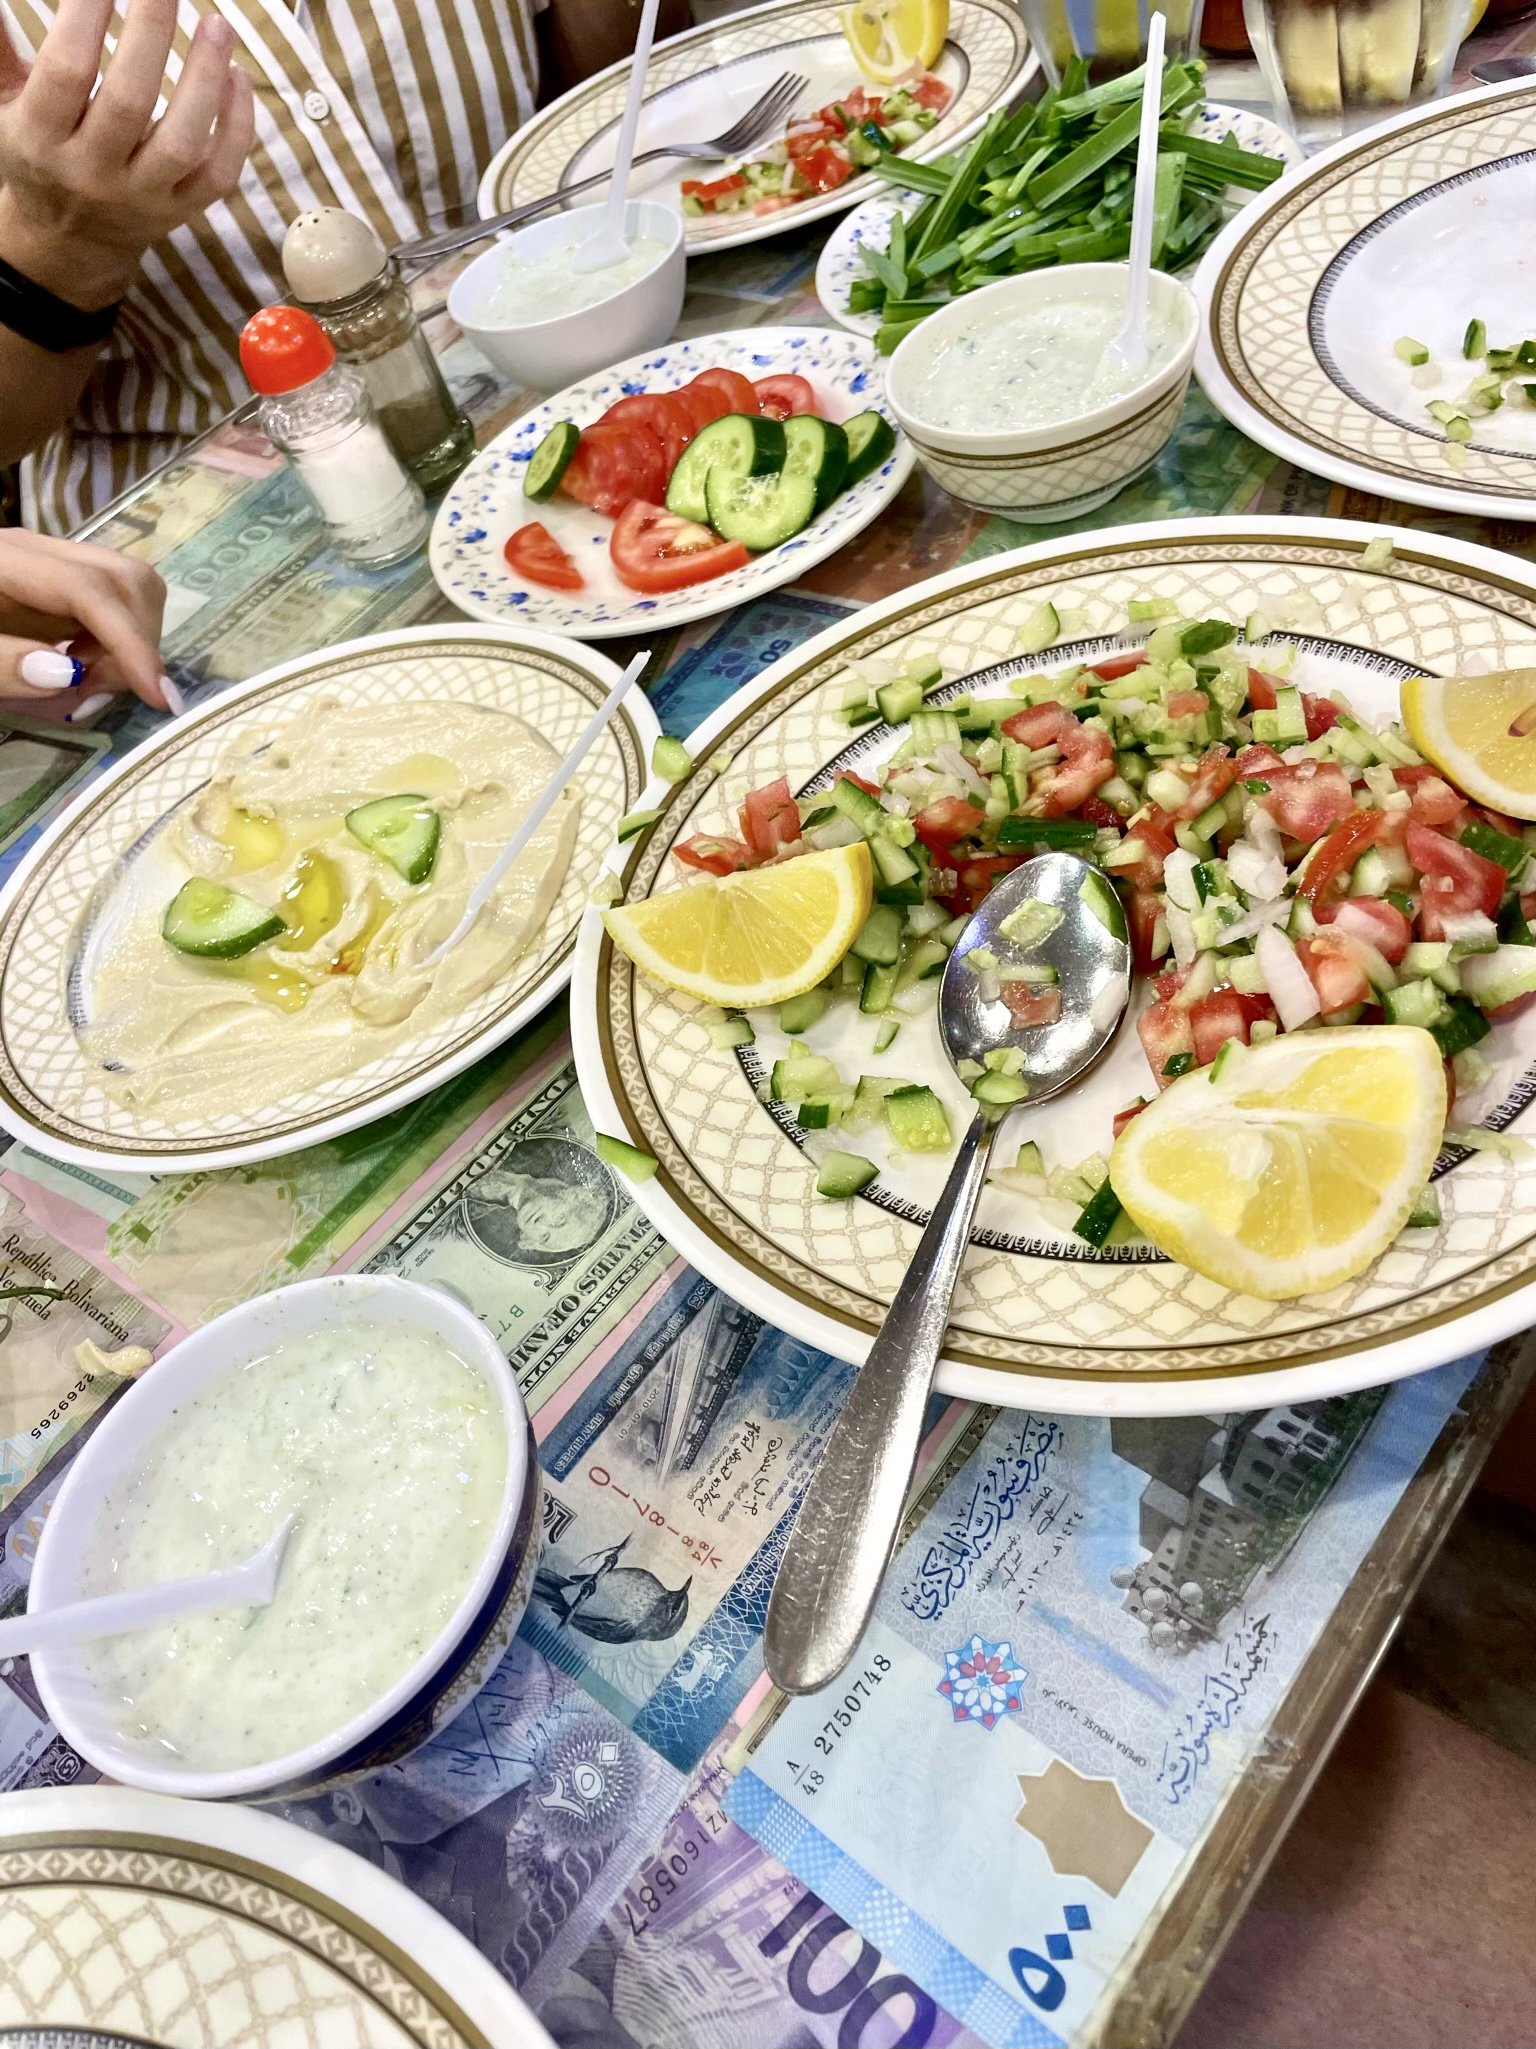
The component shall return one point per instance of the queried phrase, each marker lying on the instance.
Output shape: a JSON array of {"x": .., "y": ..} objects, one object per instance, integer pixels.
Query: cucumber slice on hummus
[
  {"x": 404, "y": 831},
  {"x": 216, "y": 922}
]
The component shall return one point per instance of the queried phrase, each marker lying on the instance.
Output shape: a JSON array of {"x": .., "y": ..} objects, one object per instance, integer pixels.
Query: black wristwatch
[{"x": 42, "y": 317}]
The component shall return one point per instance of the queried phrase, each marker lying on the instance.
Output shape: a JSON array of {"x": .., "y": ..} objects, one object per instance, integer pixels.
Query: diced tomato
[
  {"x": 930, "y": 92},
  {"x": 1499, "y": 820},
  {"x": 825, "y": 166},
  {"x": 714, "y": 194},
  {"x": 976, "y": 878},
  {"x": 657, "y": 413},
  {"x": 809, "y": 133},
  {"x": 1432, "y": 800},
  {"x": 945, "y": 822},
  {"x": 654, "y": 551},
  {"x": 783, "y": 396},
  {"x": 1224, "y": 1014},
  {"x": 1143, "y": 917},
  {"x": 1097, "y": 812},
  {"x": 1153, "y": 835},
  {"x": 1123, "y": 1117},
  {"x": 1087, "y": 757},
  {"x": 1339, "y": 852},
  {"x": 1262, "y": 688},
  {"x": 1214, "y": 775},
  {"x": 534, "y": 554},
  {"x": 1185, "y": 703},
  {"x": 714, "y": 855},
  {"x": 1114, "y": 666},
  {"x": 1335, "y": 968},
  {"x": 1372, "y": 919},
  {"x": 1321, "y": 712},
  {"x": 1259, "y": 763},
  {"x": 1308, "y": 800},
  {"x": 615, "y": 464},
  {"x": 770, "y": 819},
  {"x": 1029, "y": 1004},
  {"x": 1170, "y": 983},
  {"x": 1456, "y": 882},
  {"x": 1164, "y": 1032},
  {"x": 735, "y": 389},
  {"x": 863, "y": 781}
]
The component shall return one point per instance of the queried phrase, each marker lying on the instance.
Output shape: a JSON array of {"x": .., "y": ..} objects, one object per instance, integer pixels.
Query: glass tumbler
[
  {"x": 1334, "y": 66},
  {"x": 1110, "y": 34}
]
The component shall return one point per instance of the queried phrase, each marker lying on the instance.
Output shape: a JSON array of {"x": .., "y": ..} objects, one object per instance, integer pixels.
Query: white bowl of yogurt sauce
[
  {"x": 384, "y": 1414},
  {"x": 524, "y": 305},
  {"x": 1003, "y": 398}
]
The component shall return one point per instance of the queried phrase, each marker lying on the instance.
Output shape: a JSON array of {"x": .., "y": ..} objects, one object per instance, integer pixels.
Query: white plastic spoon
[
  {"x": 1126, "y": 355},
  {"x": 251, "y": 1584},
  {"x": 609, "y": 244},
  {"x": 486, "y": 887}
]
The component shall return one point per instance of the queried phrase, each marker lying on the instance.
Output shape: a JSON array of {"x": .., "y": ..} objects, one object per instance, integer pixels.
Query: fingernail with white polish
[
  {"x": 46, "y": 669},
  {"x": 176, "y": 704},
  {"x": 88, "y": 708}
]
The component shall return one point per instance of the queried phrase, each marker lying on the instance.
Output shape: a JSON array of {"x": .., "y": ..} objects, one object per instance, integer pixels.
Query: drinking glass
[
  {"x": 1110, "y": 34},
  {"x": 1334, "y": 66}
]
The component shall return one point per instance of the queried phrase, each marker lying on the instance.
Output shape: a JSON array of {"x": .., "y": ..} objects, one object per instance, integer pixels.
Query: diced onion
[
  {"x": 1255, "y": 872},
  {"x": 1105, "y": 1007},
  {"x": 1179, "y": 880},
  {"x": 893, "y": 801},
  {"x": 954, "y": 763},
  {"x": 1289, "y": 984},
  {"x": 1264, "y": 832},
  {"x": 1181, "y": 934},
  {"x": 1468, "y": 926},
  {"x": 1254, "y": 920}
]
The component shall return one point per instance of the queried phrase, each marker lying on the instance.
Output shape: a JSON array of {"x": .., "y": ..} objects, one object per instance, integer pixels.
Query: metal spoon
[{"x": 843, "y": 1537}]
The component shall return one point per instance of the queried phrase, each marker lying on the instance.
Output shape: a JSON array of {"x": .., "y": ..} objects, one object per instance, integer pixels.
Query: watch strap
[{"x": 43, "y": 318}]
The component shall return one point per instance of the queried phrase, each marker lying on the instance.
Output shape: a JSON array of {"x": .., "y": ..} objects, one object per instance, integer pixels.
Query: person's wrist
[{"x": 72, "y": 266}]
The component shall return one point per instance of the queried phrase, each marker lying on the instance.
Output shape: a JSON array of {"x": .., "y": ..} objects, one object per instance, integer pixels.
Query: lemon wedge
[
  {"x": 1481, "y": 732},
  {"x": 758, "y": 937},
  {"x": 1287, "y": 1167},
  {"x": 889, "y": 37}
]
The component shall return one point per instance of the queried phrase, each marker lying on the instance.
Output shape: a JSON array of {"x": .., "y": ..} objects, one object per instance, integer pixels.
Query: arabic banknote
[{"x": 1095, "y": 1695}]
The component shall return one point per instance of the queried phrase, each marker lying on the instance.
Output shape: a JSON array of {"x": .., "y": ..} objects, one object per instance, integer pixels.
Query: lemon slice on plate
[
  {"x": 1287, "y": 1167},
  {"x": 1481, "y": 732},
  {"x": 889, "y": 37},
  {"x": 758, "y": 937}
]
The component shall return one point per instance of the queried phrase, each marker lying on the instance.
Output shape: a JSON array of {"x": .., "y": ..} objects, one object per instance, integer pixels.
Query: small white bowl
[
  {"x": 1070, "y": 466},
  {"x": 545, "y": 355},
  {"x": 433, "y": 1690}
]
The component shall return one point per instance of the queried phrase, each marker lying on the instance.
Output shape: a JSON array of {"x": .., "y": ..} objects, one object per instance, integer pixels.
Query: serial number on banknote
[
  {"x": 841, "y": 1719},
  {"x": 61, "y": 1406},
  {"x": 665, "y": 1878}
]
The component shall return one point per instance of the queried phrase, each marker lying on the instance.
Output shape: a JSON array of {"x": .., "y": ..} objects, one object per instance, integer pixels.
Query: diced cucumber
[
  {"x": 730, "y": 1030},
  {"x": 1371, "y": 875},
  {"x": 1465, "y": 1025},
  {"x": 629, "y": 1159},
  {"x": 925, "y": 919},
  {"x": 1246, "y": 976},
  {"x": 899, "y": 699},
  {"x": 1511, "y": 854},
  {"x": 1040, "y": 630},
  {"x": 885, "y": 1034},
  {"x": 217, "y": 923},
  {"x": 1409, "y": 351},
  {"x": 999, "y": 1091},
  {"x": 404, "y": 831},
  {"x": 925, "y": 959},
  {"x": 856, "y": 803},
  {"x": 1431, "y": 959},
  {"x": 738, "y": 445},
  {"x": 633, "y": 823},
  {"x": 761, "y": 512},
  {"x": 871, "y": 440},
  {"x": 1472, "y": 1070},
  {"x": 817, "y": 449},
  {"x": 844, "y": 1174},
  {"x": 1290, "y": 718},
  {"x": 879, "y": 988},
  {"x": 916, "y": 1120},
  {"x": 1165, "y": 788},
  {"x": 1425, "y": 1213},
  {"x": 1029, "y": 1159},
  {"x": 671, "y": 760},
  {"x": 1503, "y": 976},
  {"x": 950, "y": 933},
  {"x": 1099, "y": 1215},
  {"x": 550, "y": 460},
  {"x": 817, "y": 1113},
  {"x": 879, "y": 938},
  {"x": 1031, "y": 923},
  {"x": 868, "y": 1105},
  {"x": 898, "y": 873},
  {"x": 1301, "y": 924},
  {"x": 1377, "y": 553},
  {"x": 800, "y": 1073},
  {"x": 1416, "y": 1003},
  {"x": 798, "y": 1014},
  {"x": 1474, "y": 342}
]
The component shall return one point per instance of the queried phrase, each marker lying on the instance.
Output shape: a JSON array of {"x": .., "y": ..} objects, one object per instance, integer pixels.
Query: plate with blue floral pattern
[{"x": 486, "y": 505}]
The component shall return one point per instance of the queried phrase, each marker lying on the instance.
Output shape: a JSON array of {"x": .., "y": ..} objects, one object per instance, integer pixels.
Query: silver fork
[{"x": 754, "y": 124}]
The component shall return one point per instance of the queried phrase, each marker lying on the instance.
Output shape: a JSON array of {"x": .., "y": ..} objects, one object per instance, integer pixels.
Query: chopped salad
[
  {"x": 1281, "y": 866},
  {"x": 823, "y": 150}
]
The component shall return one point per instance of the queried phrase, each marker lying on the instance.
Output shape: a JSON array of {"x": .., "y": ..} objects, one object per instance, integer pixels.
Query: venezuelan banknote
[{"x": 1089, "y": 1630}]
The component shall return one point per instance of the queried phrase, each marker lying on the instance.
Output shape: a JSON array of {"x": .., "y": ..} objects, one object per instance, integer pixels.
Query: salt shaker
[
  {"x": 339, "y": 270},
  {"x": 317, "y": 411}
]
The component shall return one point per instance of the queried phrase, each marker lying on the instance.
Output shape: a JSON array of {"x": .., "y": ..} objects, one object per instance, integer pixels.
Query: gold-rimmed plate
[
  {"x": 131, "y": 1917},
  {"x": 51, "y": 1091},
  {"x": 698, "y": 84},
  {"x": 1039, "y": 1316},
  {"x": 1414, "y": 228}
]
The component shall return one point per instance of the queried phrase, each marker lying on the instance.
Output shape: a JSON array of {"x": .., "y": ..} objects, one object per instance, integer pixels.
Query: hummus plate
[{"x": 116, "y": 1049}]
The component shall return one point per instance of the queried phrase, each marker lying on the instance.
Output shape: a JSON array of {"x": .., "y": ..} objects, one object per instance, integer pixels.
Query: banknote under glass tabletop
[{"x": 1109, "y": 1657}]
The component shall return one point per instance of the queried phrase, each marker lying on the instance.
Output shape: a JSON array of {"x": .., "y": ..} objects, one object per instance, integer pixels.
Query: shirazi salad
[
  {"x": 1281, "y": 865},
  {"x": 823, "y": 150}
]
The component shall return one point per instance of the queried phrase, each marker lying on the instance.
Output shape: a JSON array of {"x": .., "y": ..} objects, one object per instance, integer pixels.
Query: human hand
[
  {"x": 103, "y": 607},
  {"x": 88, "y": 178}
]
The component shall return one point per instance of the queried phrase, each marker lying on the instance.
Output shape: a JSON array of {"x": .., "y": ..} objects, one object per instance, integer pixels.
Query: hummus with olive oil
[{"x": 190, "y": 1038}]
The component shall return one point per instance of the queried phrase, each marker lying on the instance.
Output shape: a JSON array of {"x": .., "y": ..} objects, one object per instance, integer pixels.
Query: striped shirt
[{"x": 389, "y": 108}]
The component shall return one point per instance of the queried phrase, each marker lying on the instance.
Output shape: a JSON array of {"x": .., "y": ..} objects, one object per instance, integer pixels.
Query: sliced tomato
[
  {"x": 1164, "y": 1032},
  {"x": 615, "y": 464},
  {"x": 1142, "y": 918},
  {"x": 1185, "y": 703},
  {"x": 770, "y": 819},
  {"x": 534, "y": 554},
  {"x": 657, "y": 413},
  {"x": 1114, "y": 666},
  {"x": 1456, "y": 882},
  {"x": 1123, "y": 1117},
  {"x": 1259, "y": 763},
  {"x": 1097, "y": 812},
  {"x": 1308, "y": 800},
  {"x": 1432, "y": 800},
  {"x": 714, "y": 855},
  {"x": 1336, "y": 973},
  {"x": 735, "y": 389},
  {"x": 1029, "y": 1004},
  {"x": 975, "y": 878},
  {"x": 1153, "y": 836},
  {"x": 1338, "y": 853},
  {"x": 783, "y": 396},
  {"x": 654, "y": 551},
  {"x": 1372, "y": 919},
  {"x": 1087, "y": 757},
  {"x": 1224, "y": 1014},
  {"x": 1321, "y": 712},
  {"x": 826, "y": 165},
  {"x": 1214, "y": 775},
  {"x": 944, "y": 823},
  {"x": 930, "y": 92},
  {"x": 703, "y": 402}
]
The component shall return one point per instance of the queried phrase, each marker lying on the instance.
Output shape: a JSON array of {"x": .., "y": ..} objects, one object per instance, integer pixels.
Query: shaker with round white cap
[{"x": 339, "y": 270}]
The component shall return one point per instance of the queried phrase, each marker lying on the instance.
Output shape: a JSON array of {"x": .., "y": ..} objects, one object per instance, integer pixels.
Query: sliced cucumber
[
  {"x": 217, "y": 923},
  {"x": 761, "y": 512},
  {"x": 844, "y": 1174},
  {"x": 738, "y": 445},
  {"x": 917, "y": 1121},
  {"x": 871, "y": 438},
  {"x": 817, "y": 449},
  {"x": 899, "y": 698},
  {"x": 550, "y": 460},
  {"x": 629, "y": 1159},
  {"x": 879, "y": 938},
  {"x": 798, "y": 1013},
  {"x": 1503, "y": 976},
  {"x": 404, "y": 831},
  {"x": 885, "y": 1034}
]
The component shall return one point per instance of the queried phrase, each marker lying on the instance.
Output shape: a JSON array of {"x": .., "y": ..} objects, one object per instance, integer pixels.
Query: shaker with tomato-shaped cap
[{"x": 317, "y": 411}]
